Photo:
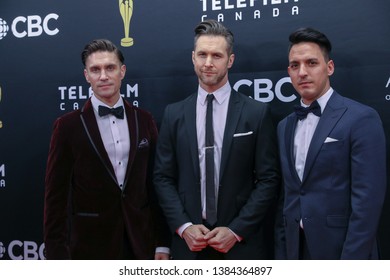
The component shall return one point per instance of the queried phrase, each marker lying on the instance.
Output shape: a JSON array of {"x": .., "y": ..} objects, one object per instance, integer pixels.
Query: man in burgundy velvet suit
[{"x": 99, "y": 198}]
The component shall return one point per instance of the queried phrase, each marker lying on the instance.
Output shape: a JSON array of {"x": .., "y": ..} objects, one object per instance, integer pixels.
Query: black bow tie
[
  {"x": 302, "y": 112},
  {"x": 117, "y": 112}
]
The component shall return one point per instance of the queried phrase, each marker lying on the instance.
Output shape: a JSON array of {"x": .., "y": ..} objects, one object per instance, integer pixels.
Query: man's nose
[
  {"x": 209, "y": 61},
  {"x": 302, "y": 70},
  {"x": 103, "y": 75}
]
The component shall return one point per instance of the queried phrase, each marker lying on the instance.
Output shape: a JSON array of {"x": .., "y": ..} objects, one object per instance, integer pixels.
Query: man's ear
[
  {"x": 231, "y": 60},
  {"x": 330, "y": 67}
]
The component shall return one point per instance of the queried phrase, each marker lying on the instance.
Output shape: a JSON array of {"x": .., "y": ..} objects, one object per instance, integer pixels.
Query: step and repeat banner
[{"x": 41, "y": 75}]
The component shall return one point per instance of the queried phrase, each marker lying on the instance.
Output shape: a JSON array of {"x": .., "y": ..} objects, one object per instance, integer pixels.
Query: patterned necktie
[
  {"x": 302, "y": 112},
  {"x": 211, "y": 210},
  {"x": 117, "y": 112}
]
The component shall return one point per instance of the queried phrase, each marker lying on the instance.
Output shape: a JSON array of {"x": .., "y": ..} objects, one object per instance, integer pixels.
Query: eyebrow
[
  {"x": 307, "y": 59},
  {"x": 101, "y": 66}
]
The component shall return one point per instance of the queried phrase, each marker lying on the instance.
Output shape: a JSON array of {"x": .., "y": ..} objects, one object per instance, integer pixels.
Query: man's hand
[
  {"x": 221, "y": 239},
  {"x": 194, "y": 236},
  {"x": 161, "y": 256}
]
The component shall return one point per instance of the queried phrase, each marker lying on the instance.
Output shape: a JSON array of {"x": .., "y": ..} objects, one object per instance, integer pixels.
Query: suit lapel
[
  {"x": 92, "y": 130},
  {"x": 334, "y": 110},
  {"x": 133, "y": 125},
  {"x": 233, "y": 115},
  {"x": 190, "y": 124},
  {"x": 289, "y": 142}
]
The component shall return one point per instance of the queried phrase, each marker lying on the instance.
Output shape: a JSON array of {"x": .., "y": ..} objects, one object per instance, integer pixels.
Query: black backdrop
[{"x": 41, "y": 75}]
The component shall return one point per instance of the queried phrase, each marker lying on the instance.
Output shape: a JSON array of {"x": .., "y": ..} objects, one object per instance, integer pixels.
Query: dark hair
[
  {"x": 311, "y": 35},
  {"x": 214, "y": 28},
  {"x": 100, "y": 45}
]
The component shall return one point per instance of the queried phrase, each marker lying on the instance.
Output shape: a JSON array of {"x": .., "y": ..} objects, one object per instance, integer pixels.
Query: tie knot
[
  {"x": 302, "y": 112},
  {"x": 117, "y": 111},
  {"x": 210, "y": 98}
]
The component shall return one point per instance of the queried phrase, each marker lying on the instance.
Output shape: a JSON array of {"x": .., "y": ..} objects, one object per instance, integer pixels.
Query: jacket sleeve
[
  {"x": 166, "y": 174},
  {"x": 162, "y": 233},
  {"x": 57, "y": 188},
  {"x": 368, "y": 185}
]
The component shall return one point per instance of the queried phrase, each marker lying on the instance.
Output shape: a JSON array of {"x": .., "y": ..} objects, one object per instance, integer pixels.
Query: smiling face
[
  {"x": 212, "y": 61},
  {"x": 309, "y": 71},
  {"x": 105, "y": 72}
]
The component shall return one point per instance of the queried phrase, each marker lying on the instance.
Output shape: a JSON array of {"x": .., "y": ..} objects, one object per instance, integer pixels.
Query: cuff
[
  {"x": 164, "y": 250},
  {"x": 239, "y": 238},
  {"x": 181, "y": 229}
]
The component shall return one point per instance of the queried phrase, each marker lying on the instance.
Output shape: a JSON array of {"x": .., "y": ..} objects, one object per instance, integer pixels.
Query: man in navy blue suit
[{"x": 333, "y": 161}]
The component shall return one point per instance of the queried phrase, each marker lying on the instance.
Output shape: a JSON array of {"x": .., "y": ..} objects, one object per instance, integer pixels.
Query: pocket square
[
  {"x": 329, "y": 140},
  {"x": 243, "y": 134},
  {"x": 143, "y": 143}
]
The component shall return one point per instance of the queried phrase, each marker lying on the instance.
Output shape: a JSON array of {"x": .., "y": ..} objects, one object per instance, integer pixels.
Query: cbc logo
[
  {"x": 30, "y": 26},
  {"x": 23, "y": 250},
  {"x": 2, "y": 250},
  {"x": 3, "y": 28},
  {"x": 263, "y": 89}
]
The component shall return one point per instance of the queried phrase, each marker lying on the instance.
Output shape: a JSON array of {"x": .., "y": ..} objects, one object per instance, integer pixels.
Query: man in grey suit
[
  {"x": 228, "y": 221},
  {"x": 333, "y": 162}
]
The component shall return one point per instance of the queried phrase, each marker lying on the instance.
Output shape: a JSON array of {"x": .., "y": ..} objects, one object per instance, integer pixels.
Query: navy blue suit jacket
[{"x": 342, "y": 191}]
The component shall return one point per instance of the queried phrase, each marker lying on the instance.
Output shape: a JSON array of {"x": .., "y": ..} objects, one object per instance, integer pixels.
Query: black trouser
[
  {"x": 303, "y": 248},
  {"x": 127, "y": 251}
]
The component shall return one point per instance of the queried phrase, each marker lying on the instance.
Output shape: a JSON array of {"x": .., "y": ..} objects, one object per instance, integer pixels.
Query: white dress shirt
[
  {"x": 116, "y": 138},
  {"x": 220, "y": 108}
]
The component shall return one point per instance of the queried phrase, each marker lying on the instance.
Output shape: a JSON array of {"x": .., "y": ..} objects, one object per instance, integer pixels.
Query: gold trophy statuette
[{"x": 126, "y": 10}]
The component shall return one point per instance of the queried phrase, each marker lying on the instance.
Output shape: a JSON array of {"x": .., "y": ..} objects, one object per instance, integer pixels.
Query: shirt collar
[
  {"x": 220, "y": 95},
  {"x": 96, "y": 103},
  {"x": 323, "y": 100}
]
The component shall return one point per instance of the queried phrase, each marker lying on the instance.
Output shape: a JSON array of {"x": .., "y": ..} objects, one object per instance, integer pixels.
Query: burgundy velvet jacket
[{"x": 86, "y": 213}]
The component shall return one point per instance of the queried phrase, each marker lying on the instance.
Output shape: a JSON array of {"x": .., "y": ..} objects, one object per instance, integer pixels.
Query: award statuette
[{"x": 126, "y": 10}]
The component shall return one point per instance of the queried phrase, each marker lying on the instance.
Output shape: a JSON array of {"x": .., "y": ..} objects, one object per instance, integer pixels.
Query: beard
[{"x": 214, "y": 80}]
